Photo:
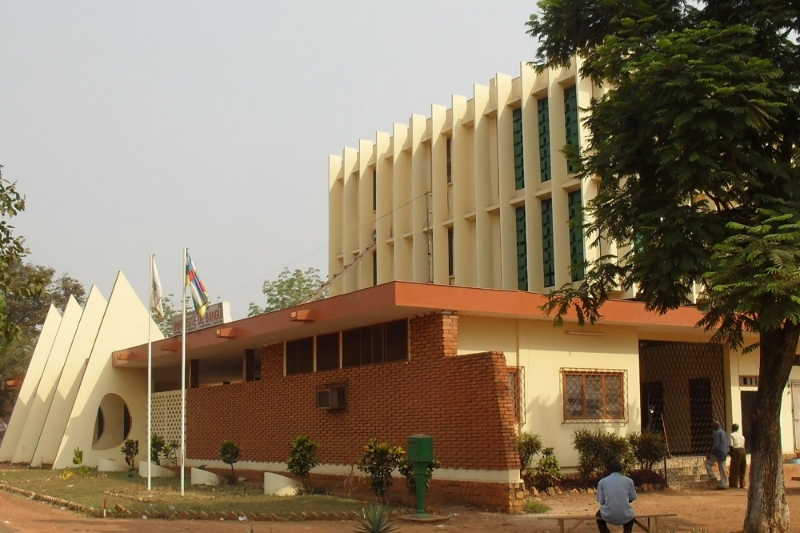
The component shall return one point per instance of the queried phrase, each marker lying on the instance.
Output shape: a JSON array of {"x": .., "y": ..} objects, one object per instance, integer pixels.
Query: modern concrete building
[{"x": 477, "y": 195}]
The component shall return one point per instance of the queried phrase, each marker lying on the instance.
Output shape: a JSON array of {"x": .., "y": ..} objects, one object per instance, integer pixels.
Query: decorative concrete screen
[{"x": 167, "y": 415}]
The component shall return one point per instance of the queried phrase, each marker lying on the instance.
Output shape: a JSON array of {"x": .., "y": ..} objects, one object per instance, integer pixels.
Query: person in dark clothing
[
  {"x": 615, "y": 493},
  {"x": 738, "y": 457},
  {"x": 718, "y": 456}
]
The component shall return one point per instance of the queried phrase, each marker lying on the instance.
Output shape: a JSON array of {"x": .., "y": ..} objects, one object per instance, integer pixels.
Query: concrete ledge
[
  {"x": 204, "y": 477},
  {"x": 277, "y": 485},
  {"x": 110, "y": 465},
  {"x": 155, "y": 470}
]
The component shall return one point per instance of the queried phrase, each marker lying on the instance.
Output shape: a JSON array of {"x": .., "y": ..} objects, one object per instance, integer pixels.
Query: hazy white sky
[{"x": 143, "y": 127}]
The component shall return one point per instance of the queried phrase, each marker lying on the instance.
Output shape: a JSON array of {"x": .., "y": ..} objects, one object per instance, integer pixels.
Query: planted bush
[
  {"x": 229, "y": 452},
  {"x": 596, "y": 449},
  {"x": 157, "y": 446},
  {"x": 547, "y": 472},
  {"x": 648, "y": 448},
  {"x": 302, "y": 458},
  {"x": 379, "y": 461},
  {"x": 529, "y": 445},
  {"x": 376, "y": 520},
  {"x": 406, "y": 468},
  {"x": 130, "y": 449}
]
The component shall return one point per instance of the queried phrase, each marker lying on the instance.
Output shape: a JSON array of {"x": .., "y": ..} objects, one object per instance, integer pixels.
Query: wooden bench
[{"x": 651, "y": 527}]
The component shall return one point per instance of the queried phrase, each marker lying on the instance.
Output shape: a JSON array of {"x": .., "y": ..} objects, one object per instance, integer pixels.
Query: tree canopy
[
  {"x": 290, "y": 289},
  {"x": 695, "y": 143}
]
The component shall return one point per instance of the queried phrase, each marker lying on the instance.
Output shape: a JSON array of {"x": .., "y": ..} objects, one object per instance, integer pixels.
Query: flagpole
[
  {"x": 150, "y": 373},
  {"x": 183, "y": 372}
]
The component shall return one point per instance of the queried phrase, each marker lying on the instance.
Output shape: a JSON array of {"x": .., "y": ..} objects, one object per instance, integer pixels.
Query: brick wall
[{"x": 462, "y": 401}]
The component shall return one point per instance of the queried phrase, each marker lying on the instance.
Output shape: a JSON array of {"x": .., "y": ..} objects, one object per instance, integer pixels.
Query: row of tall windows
[{"x": 369, "y": 345}]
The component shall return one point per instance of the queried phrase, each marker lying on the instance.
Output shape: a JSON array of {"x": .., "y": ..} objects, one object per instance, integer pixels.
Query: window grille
[
  {"x": 516, "y": 384},
  {"x": 328, "y": 352},
  {"x": 594, "y": 395},
  {"x": 571, "y": 124},
  {"x": 522, "y": 251},
  {"x": 544, "y": 139},
  {"x": 300, "y": 356},
  {"x": 576, "y": 234},
  {"x": 519, "y": 166},
  {"x": 548, "y": 251},
  {"x": 375, "y": 344}
]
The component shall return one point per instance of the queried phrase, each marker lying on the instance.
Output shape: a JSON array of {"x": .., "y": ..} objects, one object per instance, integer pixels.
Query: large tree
[
  {"x": 696, "y": 146},
  {"x": 291, "y": 288}
]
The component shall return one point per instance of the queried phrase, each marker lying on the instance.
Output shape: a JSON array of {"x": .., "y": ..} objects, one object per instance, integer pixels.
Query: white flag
[{"x": 155, "y": 293}]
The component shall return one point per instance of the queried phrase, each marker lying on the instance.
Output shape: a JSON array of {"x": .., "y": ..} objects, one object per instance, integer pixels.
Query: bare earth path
[{"x": 716, "y": 511}]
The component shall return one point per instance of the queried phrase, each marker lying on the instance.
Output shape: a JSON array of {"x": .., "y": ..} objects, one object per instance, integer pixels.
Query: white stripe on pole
[
  {"x": 149, "y": 374},
  {"x": 183, "y": 371}
]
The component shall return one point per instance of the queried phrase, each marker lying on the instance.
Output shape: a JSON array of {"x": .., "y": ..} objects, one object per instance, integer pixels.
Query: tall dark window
[
  {"x": 571, "y": 124},
  {"x": 544, "y": 138},
  {"x": 449, "y": 162},
  {"x": 375, "y": 268},
  {"x": 450, "y": 259},
  {"x": 548, "y": 251},
  {"x": 300, "y": 356},
  {"x": 519, "y": 162},
  {"x": 576, "y": 234},
  {"x": 522, "y": 251},
  {"x": 328, "y": 352},
  {"x": 375, "y": 189}
]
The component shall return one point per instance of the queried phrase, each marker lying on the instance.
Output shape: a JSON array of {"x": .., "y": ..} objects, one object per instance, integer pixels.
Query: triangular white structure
[
  {"x": 37, "y": 414},
  {"x": 124, "y": 324},
  {"x": 70, "y": 380},
  {"x": 28, "y": 390}
]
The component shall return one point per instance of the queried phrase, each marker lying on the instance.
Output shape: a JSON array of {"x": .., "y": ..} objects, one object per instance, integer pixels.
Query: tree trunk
[{"x": 767, "y": 510}]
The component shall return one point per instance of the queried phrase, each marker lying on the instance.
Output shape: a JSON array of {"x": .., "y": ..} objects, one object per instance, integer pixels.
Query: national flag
[
  {"x": 156, "y": 295},
  {"x": 196, "y": 287}
]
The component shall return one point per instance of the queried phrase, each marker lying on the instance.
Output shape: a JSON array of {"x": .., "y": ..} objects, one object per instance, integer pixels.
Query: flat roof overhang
[{"x": 383, "y": 303}]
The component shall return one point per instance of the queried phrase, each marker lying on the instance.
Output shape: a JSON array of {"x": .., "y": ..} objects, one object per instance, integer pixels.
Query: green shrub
[
  {"x": 648, "y": 448},
  {"x": 130, "y": 449},
  {"x": 379, "y": 461},
  {"x": 157, "y": 446},
  {"x": 376, "y": 520},
  {"x": 77, "y": 459},
  {"x": 529, "y": 445},
  {"x": 171, "y": 453},
  {"x": 302, "y": 458},
  {"x": 596, "y": 449},
  {"x": 535, "y": 507},
  {"x": 229, "y": 452},
  {"x": 547, "y": 472},
  {"x": 406, "y": 468}
]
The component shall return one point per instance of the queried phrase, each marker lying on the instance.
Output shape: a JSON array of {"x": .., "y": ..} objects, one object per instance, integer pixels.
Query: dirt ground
[{"x": 715, "y": 511}]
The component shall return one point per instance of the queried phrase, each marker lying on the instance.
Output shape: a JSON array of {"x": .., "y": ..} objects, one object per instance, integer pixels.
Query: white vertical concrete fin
[
  {"x": 124, "y": 324},
  {"x": 70, "y": 379},
  {"x": 28, "y": 390},
  {"x": 48, "y": 382}
]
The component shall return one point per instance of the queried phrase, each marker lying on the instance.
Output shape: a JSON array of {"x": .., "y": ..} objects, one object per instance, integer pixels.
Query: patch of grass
[
  {"x": 165, "y": 495},
  {"x": 535, "y": 507}
]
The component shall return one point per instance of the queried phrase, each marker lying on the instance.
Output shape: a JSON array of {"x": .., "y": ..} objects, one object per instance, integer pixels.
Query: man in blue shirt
[
  {"x": 615, "y": 493},
  {"x": 718, "y": 456}
]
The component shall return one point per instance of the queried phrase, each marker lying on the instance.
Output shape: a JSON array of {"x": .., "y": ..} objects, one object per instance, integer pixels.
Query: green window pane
[
  {"x": 571, "y": 124},
  {"x": 548, "y": 252},
  {"x": 522, "y": 251},
  {"x": 519, "y": 167},
  {"x": 544, "y": 139},
  {"x": 576, "y": 234}
]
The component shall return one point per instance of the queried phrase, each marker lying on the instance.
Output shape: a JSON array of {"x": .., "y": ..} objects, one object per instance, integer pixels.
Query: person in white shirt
[
  {"x": 615, "y": 493},
  {"x": 738, "y": 457}
]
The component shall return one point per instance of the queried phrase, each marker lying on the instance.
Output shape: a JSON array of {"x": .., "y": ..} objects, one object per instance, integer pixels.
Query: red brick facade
[{"x": 463, "y": 402}]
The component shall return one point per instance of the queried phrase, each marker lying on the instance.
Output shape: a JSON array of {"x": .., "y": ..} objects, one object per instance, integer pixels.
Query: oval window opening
[{"x": 113, "y": 424}]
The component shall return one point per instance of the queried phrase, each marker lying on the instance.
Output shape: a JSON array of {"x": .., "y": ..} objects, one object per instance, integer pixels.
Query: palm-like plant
[{"x": 376, "y": 520}]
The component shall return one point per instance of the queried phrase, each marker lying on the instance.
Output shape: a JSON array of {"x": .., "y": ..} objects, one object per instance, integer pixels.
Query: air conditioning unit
[{"x": 332, "y": 396}]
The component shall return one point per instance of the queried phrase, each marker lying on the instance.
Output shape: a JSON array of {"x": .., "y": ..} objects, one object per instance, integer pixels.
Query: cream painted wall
[
  {"x": 28, "y": 390},
  {"x": 34, "y": 422},
  {"x": 70, "y": 380},
  {"x": 124, "y": 324},
  {"x": 543, "y": 351}
]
